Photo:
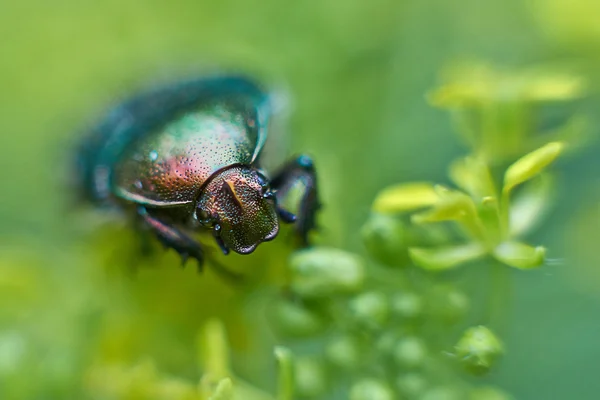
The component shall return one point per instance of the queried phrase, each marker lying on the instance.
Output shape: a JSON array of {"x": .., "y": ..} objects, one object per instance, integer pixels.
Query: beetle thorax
[{"x": 234, "y": 201}]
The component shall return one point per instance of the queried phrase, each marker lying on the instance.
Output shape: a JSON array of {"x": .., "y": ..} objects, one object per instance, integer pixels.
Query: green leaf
[
  {"x": 475, "y": 83},
  {"x": 520, "y": 255},
  {"x": 443, "y": 258},
  {"x": 467, "y": 84},
  {"x": 452, "y": 205},
  {"x": 473, "y": 176},
  {"x": 529, "y": 205},
  {"x": 286, "y": 374},
  {"x": 531, "y": 165},
  {"x": 553, "y": 86},
  {"x": 405, "y": 197},
  {"x": 224, "y": 390}
]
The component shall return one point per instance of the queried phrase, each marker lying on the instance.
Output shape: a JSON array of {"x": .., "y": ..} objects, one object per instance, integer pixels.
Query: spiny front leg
[
  {"x": 184, "y": 244},
  {"x": 300, "y": 170},
  {"x": 172, "y": 237}
]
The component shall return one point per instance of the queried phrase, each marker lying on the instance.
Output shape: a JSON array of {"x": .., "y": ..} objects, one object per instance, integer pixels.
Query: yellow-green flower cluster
[
  {"x": 496, "y": 112},
  {"x": 489, "y": 219},
  {"x": 386, "y": 333}
]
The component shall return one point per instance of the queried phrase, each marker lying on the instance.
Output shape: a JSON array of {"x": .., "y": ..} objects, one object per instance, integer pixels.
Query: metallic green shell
[
  {"x": 169, "y": 166},
  {"x": 159, "y": 147}
]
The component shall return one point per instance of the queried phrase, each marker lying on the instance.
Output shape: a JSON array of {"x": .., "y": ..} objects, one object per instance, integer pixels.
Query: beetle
[{"x": 186, "y": 157}]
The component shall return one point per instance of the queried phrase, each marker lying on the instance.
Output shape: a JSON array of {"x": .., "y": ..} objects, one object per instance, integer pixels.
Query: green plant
[
  {"x": 381, "y": 326},
  {"x": 418, "y": 315}
]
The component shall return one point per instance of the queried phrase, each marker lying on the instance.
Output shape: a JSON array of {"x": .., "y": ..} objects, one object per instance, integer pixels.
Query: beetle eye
[
  {"x": 262, "y": 179},
  {"x": 264, "y": 182}
]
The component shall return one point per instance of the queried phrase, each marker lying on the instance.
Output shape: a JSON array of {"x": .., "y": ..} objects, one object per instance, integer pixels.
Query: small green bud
[
  {"x": 310, "y": 377},
  {"x": 322, "y": 272},
  {"x": 370, "y": 309},
  {"x": 448, "y": 303},
  {"x": 371, "y": 389},
  {"x": 385, "y": 240},
  {"x": 488, "y": 393},
  {"x": 410, "y": 352},
  {"x": 386, "y": 342},
  {"x": 407, "y": 305},
  {"x": 442, "y": 393},
  {"x": 344, "y": 352},
  {"x": 478, "y": 349},
  {"x": 292, "y": 319},
  {"x": 411, "y": 384}
]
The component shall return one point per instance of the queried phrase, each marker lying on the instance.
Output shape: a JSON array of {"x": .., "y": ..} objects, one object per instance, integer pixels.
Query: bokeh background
[{"x": 356, "y": 75}]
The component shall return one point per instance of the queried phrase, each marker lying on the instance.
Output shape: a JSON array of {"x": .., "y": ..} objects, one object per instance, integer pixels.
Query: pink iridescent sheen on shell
[{"x": 170, "y": 166}]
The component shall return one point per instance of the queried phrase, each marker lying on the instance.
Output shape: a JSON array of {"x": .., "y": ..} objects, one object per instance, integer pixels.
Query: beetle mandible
[{"x": 186, "y": 157}]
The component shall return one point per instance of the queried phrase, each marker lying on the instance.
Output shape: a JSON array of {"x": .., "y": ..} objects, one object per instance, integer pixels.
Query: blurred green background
[{"x": 356, "y": 74}]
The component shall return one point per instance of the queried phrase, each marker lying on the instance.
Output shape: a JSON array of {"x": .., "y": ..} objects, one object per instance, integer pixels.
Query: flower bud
[
  {"x": 370, "y": 309},
  {"x": 386, "y": 341},
  {"x": 448, "y": 303},
  {"x": 385, "y": 240},
  {"x": 407, "y": 305},
  {"x": 322, "y": 272},
  {"x": 410, "y": 352},
  {"x": 294, "y": 320},
  {"x": 310, "y": 377},
  {"x": 442, "y": 393},
  {"x": 371, "y": 389},
  {"x": 344, "y": 352},
  {"x": 411, "y": 385},
  {"x": 478, "y": 349}
]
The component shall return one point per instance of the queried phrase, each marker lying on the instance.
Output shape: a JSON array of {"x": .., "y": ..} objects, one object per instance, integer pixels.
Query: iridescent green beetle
[{"x": 186, "y": 157}]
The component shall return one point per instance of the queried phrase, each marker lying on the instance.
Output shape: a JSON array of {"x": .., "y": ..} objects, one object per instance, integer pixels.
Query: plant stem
[{"x": 499, "y": 300}]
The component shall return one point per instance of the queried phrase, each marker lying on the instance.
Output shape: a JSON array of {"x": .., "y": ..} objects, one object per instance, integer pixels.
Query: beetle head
[{"x": 238, "y": 205}]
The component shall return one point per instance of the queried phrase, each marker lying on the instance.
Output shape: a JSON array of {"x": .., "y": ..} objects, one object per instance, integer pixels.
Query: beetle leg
[
  {"x": 301, "y": 169},
  {"x": 183, "y": 243},
  {"x": 174, "y": 238}
]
